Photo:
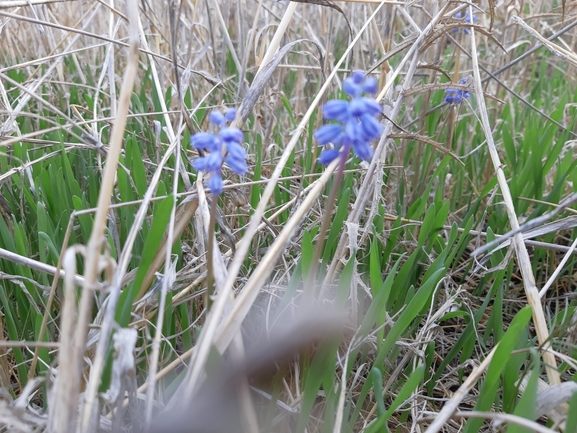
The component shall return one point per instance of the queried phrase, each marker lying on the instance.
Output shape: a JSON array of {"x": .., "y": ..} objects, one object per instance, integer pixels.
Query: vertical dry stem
[
  {"x": 520, "y": 250},
  {"x": 72, "y": 352}
]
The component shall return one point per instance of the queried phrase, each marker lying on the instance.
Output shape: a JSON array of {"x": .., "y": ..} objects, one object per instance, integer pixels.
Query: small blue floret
[
  {"x": 328, "y": 133},
  {"x": 370, "y": 85},
  {"x": 371, "y": 127},
  {"x": 352, "y": 88},
  {"x": 230, "y": 114},
  {"x": 337, "y": 109},
  {"x": 216, "y": 118},
  {"x": 328, "y": 156},
  {"x": 358, "y": 77}
]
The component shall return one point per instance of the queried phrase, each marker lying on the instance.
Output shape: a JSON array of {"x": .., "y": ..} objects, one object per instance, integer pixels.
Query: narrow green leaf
[
  {"x": 308, "y": 250},
  {"x": 377, "y": 378},
  {"x": 527, "y": 406},
  {"x": 408, "y": 388},
  {"x": 409, "y": 314},
  {"x": 155, "y": 236},
  {"x": 498, "y": 363}
]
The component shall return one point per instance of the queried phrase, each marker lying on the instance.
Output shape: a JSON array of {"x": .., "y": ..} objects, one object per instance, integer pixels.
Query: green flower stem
[{"x": 209, "y": 252}]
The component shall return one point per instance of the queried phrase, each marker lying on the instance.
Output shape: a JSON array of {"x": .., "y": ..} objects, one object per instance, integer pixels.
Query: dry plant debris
[{"x": 158, "y": 273}]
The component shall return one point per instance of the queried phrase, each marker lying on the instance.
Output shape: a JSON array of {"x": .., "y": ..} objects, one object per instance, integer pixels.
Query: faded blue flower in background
[
  {"x": 468, "y": 19},
  {"x": 221, "y": 148},
  {"x": 456, "y": 96},
  {"x": 356, "y": 124}
]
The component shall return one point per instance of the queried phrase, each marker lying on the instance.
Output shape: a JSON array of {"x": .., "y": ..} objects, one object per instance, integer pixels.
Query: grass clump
[{"x": 154, "y": 279}]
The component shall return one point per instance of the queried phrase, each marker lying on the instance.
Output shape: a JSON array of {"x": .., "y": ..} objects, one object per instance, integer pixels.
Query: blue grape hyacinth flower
[
  {"x": 468, "y": 19},
  {"x": 355, "y": 121},
  {"x": 456, "y": 96},
  {"x": 222, "y": 148}
]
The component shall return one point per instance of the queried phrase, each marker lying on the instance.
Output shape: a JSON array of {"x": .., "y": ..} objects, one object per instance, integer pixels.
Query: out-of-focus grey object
[{"x": 215, "y": 407}]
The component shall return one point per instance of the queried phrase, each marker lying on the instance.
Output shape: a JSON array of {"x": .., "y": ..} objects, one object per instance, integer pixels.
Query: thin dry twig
[
  {"x": 506, "y": 418},
  {"x": 6, "y": 4},
  {"x": 561, "y": 52}
]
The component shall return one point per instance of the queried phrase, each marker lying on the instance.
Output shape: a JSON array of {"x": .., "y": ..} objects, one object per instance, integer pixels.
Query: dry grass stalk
[
  {"x": 506, "y": 418},
  {"x": 523, "y": 259},
  {"x": 567, "y": 55},
  {"x": 62, "y": 414},
  {"x": 5, "y": 368},
  {"x": 5, "y": 4},
  {"x": 276, "y": 40},
  {"x": 74, "y": 334},
  {"x": 38, "y": 266}
]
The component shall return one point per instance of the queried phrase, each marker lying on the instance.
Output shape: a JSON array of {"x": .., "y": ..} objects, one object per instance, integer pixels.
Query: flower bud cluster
[
  {"x": 468, "y": 18},
  {"x": 456, "y": 96},
  {"x": 355, "y": 124},
  {"x": 221, "y": 148}
]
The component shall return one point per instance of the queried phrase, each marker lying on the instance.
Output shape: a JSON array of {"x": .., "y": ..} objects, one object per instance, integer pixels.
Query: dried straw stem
[
  {"x": 520, "y": 249},
  {"x": 6, "y": 4},
  {"x": 71, "y": 356}
]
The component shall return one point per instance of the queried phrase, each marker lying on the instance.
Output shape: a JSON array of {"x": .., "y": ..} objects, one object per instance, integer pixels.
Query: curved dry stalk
[
  {"x": 343, "y": 392},
  {"x": 280, "y": 31},
  {"x": 558, "y": 270},
  {"x": 523, "y": 259},
  {"x": 62, "y": 413},
  {"x": 558, "y": 51},
  {"x": 249, "y": 43},
  {"x": 20, "y": 3}
]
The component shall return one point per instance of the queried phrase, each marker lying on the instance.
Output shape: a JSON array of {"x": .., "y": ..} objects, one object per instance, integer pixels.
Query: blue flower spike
[
  {"x": 456, "y": 96},
  {"x": 467, "y": 18},
  {"x": 224, "y": 147},
  {"x": 356, "y": 121}
]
